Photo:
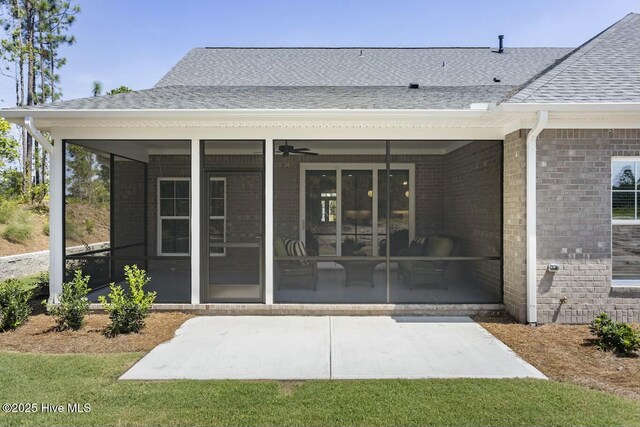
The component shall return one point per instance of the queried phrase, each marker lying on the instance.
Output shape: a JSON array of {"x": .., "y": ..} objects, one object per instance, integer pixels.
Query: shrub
[
  {"x": 73, "y": 232},
  {"x": 74, "y": 304},
  {"x": 89, "y": 226},
  {"x": 19, "y": 232},
  {"x": 7, "y": 211},
  {"x": 14, "y": 303},
  {"x": 618, "y": 337},
  {"x": 41, "y": 284},
  {"x": 128, "y": 309}
]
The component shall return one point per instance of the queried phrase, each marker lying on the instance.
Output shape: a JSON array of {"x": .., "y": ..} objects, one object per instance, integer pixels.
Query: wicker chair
[{"x": 426, "y": 273}]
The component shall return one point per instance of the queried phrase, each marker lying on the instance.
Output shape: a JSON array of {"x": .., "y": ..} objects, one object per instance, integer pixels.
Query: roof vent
[
  {"x": 414, "y": 86},
  {"x": 500, "y": 40}
]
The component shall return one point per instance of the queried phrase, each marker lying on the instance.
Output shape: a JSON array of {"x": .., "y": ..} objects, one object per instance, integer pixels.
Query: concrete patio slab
[
  {"x": 241, "y": 347},
  {"x": 304, "y": 347},
  {"x": 420, "y": 347}
]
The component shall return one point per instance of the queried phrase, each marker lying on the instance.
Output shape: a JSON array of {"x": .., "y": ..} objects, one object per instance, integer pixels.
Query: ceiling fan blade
[
  {"x": 309, "y": 153},
  {"x": 301, "y": 149}
]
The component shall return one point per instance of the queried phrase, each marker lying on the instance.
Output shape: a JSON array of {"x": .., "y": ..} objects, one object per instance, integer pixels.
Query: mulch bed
[
  {"x": 39, "y": 336},
  {"x": 569, "y": 353}
]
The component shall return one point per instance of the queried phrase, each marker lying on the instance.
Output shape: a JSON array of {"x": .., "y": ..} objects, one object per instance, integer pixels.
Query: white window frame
[
  {"x": 223, "y": 218},
  {"x": 636, "y": 159},
  {"x": 160, "y": 217},
  {"x": 375, "y": 168}
]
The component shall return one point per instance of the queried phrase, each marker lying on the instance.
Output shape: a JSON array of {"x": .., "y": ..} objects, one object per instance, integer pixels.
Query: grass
[
  {"x": 62, "y": 379},
  {"x": 7, "y": 211},
  {"x": 18, "y": 232}
]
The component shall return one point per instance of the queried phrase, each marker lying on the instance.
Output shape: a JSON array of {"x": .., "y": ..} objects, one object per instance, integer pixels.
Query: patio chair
[
  {"x": 399, "y": 240},
  {"x": 426, "y": 273},
  {"x": 295, "y": 274}
]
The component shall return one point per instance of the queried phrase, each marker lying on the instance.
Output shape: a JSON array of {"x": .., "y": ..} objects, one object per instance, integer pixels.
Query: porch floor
[{"x": 330, "y": 347}]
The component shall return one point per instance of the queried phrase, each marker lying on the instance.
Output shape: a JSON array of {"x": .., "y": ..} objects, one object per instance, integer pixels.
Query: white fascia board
[
  {"x": 569, "y": 107},
  {"x": 243, "y": 113}
]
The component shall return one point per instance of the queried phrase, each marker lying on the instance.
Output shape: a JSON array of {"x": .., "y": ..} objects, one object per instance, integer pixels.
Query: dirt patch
[
  {"x": 38, "y": 335},
  {"x": 568, "y": 353}
]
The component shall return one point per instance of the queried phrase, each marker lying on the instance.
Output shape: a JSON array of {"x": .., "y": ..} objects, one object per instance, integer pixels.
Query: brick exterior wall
[
  {"x": 574, "y": 225},
  {"x": 472, "y": 209},
  {"x": 514, "y": 207}
]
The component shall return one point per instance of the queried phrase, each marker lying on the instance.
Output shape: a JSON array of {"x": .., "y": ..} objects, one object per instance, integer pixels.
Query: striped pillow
[
  {"x": 294, "y": 247},
  {"x": 420, "y": 240}
]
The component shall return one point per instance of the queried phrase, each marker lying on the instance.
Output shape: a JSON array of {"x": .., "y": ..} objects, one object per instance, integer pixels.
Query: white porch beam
[
  {"x": 268, "y": 221},
  {"x": 56, "y": 215},
  {"x": 195, "y": 221}
]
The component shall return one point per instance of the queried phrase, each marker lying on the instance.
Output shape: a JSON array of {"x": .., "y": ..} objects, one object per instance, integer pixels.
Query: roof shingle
[{"x": 604, "y": 69}]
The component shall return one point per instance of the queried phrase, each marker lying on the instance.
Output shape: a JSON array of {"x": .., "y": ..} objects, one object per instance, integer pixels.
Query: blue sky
[{"x": 134, "y": 42}]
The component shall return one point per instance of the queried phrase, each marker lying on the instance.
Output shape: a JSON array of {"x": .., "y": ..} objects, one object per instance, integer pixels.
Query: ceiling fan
[{"x": 287, "y": 149}]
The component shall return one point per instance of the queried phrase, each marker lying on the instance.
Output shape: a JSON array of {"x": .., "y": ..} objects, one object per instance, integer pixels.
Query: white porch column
[
  {"x": 195, "y": 221},
  {"x": 56, "y": 215},
  {"x": 268, "y": 221}
]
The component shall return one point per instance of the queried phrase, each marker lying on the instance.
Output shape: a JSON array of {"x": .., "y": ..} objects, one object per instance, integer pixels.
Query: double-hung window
[
  {"x": 625, "y": 219},
  {"x": 173, "y": 216}
]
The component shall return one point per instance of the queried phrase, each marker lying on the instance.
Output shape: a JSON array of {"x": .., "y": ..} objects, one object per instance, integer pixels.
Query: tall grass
[
  {"x": 19, "y": 232},
  {"x": 8, "y": 211}
]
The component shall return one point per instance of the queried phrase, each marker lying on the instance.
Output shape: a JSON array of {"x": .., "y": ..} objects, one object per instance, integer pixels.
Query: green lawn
[{"x": 61, "y": 379}]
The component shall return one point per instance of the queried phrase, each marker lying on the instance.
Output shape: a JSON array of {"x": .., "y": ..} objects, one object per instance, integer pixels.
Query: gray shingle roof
[
  {"x": 269, "y": 97},
  {"x": 359, "y": 66},
  {"x": 604, "y": 69}
]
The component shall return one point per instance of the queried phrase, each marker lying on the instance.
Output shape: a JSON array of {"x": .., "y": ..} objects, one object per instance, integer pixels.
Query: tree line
[{"x": 34, "y": 33}]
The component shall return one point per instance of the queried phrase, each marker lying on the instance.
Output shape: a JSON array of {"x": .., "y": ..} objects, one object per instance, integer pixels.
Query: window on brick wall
[
  {"x": 625, "y": 218},
  {"x": 173, "y": 216}
]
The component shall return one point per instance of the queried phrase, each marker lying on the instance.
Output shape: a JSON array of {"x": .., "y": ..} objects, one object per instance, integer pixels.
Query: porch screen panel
[
  {"x": 168, "y": 225},
  {"x": 450, "y": 248},
  {"x": 233, "y": 221},
  {"x": 129, "y": 221},
  {"x": 87, "y": 213},
  {"x": 327, "y": 226}
]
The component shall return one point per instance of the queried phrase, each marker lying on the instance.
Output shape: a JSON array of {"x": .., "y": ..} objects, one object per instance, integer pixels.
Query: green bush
[
  {"x": 73, "y": 231},
  {"x": 618, "y": 337},
  {"x": 14, "y": 303},
  {"x": 89, "y": 226},
  {"x": 41, "y": 284},
  {"x": 45, "y": 228},
  {"x": 7, "y": 211},
  {"x": 128, "y": 309},
  {"x": 73, "y": 305},
  {"x": 19, "y": 232}
]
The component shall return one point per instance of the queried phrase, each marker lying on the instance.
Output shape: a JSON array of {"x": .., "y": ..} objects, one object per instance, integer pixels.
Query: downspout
[
  {"x": 532, "y": 259},
  {"x": 55, "y": 209},
  {"x": 35, "y": 133}
]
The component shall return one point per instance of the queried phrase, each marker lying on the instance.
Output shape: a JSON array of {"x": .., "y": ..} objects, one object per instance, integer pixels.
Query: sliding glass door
[{"x": 346, "y": 203}]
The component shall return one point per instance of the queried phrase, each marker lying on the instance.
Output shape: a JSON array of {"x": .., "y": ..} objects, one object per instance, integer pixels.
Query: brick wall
[
  {"x": 472, "y": 208},
  {"x": 514, "y": 225},
  {"x": 574, "y": 225}
]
